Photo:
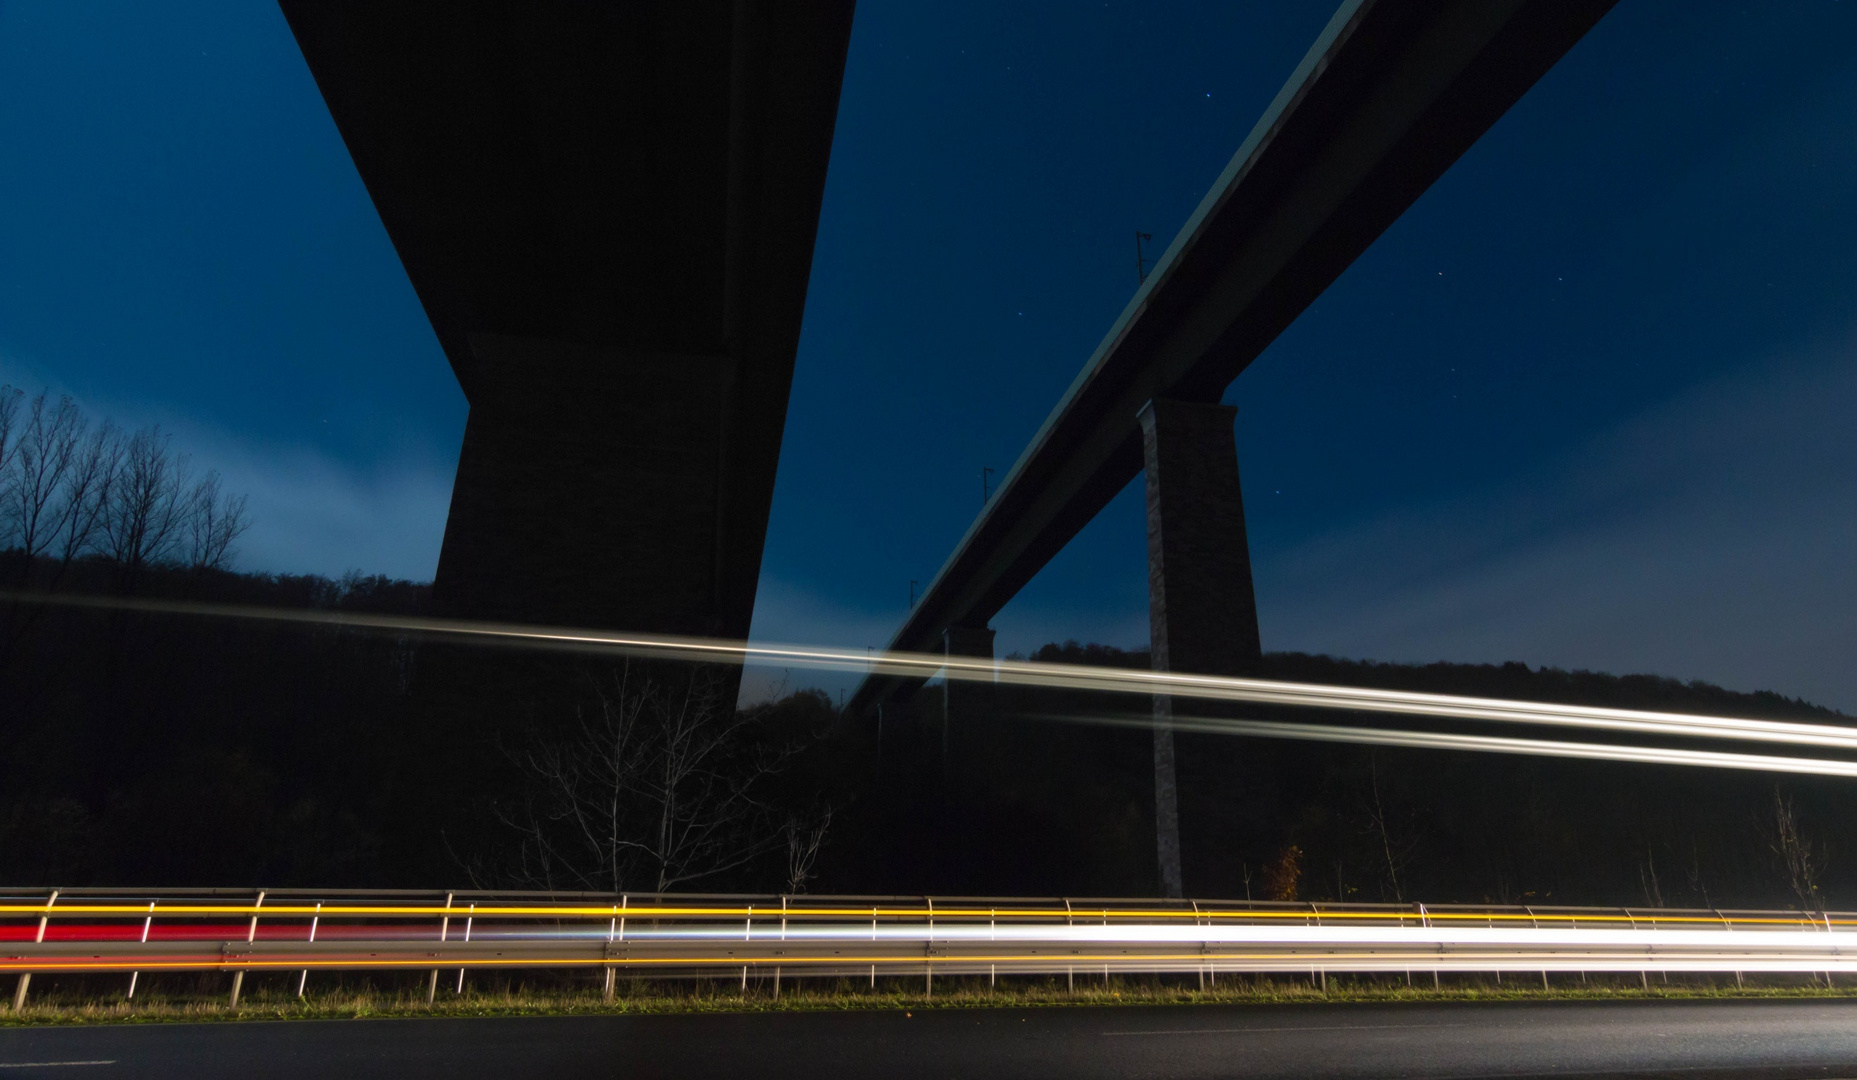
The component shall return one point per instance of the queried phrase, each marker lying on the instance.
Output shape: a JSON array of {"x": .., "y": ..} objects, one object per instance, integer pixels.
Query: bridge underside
[
  {"x": 1390, "y": 95},
  {"x": 608, "y": 213}
]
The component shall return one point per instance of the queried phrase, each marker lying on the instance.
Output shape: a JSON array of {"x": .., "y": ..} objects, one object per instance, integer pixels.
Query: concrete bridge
[
  {"x": 608, "y": 212},
  {"x": 1388, "y": 97}
]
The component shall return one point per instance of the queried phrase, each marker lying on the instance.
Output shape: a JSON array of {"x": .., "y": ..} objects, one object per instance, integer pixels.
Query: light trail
[
  {"x": 831, "y": 938},
  {"x": 1494, "y": 744},
  {"x": 1108, "y": 680},
  {"x": 815, "y": 908}
]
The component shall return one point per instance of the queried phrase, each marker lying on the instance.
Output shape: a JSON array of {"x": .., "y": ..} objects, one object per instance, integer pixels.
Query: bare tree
[
  {"x": 214, "y": 521},
  {"x": 1693, "y": 874},
  {"x": 85, "y": 495},
  {"x": 146, "y": 505},
  {"x": 1647, "y": 877},
  {"x": 46, "y": 450},
  {"x": 9, "y": 416},
  {"x": 658, "y": 786},
  {"x": 1394, "y": 841},
  {"x": 805, "y": 836},
  {"x": 1800, "y": 861},
  {"x": 69, "y": 489}
]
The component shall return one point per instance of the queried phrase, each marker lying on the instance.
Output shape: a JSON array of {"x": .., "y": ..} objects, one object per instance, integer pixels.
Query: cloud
[
  {"x": 311, "y": 512},
  {"x": 1711, "y": 537}
]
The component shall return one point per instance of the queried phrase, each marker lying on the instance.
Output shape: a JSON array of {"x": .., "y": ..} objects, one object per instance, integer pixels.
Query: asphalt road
[{"x": 1699, "y": 1039}]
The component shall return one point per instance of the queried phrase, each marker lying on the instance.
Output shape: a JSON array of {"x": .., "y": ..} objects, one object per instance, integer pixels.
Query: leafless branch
[
  {"x": 657, "y": 785},
  {"x": 805, "y": 837},
  {"x": 146, "y": 504},
  {"x": 213, "y": 522},
  {"x": 44, "y": 453},
  {"x": 1395, "y": 842},
  {"x": 85, "y": 494},
  {"x": 1800, "y": 861}
]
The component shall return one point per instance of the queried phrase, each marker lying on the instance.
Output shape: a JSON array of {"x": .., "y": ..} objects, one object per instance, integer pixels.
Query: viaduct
[
  {"x": 1388, "y": 97},
  {"x": 608, "y": 212}
]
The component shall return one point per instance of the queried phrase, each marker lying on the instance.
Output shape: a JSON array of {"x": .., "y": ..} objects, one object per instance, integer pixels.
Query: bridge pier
[
  {"x": 962, "y": 701},
  {"x": 590, "y": 490},
  {"x": 1202, "y": 610}
]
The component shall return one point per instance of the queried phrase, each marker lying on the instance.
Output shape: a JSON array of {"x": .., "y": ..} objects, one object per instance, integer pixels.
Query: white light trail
[
  {"x": 1111, "y": 680},
  {"x": 1009, "y": 946},
  {"x": 1495, "y": 744},
  {"x": 1224, "y": 933}
]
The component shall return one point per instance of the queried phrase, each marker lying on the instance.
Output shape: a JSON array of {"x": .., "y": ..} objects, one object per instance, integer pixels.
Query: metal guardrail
[{"x": 684, "y": 935}]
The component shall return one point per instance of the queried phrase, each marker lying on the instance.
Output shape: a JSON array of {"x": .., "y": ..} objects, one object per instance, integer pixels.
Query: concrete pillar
[
  {"x": 1202, "y": 612},
  {"x": 962, "y": 700},
  {"x": 590, "y": 490}
]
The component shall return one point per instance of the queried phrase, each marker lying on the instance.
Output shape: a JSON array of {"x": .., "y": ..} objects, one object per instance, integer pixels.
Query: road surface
[{"x": 1776, "y": 1039}]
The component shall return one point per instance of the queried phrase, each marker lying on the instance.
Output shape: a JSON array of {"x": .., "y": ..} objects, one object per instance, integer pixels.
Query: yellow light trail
[{"x": 1008, "y": 914}]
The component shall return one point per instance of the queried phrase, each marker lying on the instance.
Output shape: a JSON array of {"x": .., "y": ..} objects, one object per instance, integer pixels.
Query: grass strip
[{"x": 66, "y": 1008}]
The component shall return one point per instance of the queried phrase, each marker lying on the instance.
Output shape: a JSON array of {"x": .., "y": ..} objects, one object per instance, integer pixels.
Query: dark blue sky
[{"x": 1590, "y": 403}]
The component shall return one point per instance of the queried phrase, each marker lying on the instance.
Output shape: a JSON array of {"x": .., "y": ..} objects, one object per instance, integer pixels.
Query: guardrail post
[
  {"x": 1437, "y": 984},
  {"x": 469, "y": 917},
  {"x": 1826, "y": 915},
  {"x": 25, "y": 977},
  {"x": 251, "y": 935},
  {"x": 444, "y": 932},
  {"x": 1202, "y": 948},
  {"x": 1070, "y": 972},
  {"x": 614, "y": 930},
  {"x": 928, "y": 958},
  {"x": 134, "y": 975},
  {"x": 315, "y": 920}
]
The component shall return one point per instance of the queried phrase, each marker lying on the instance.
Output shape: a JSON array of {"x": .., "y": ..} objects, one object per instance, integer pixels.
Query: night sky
[{"x": 1591, "y": 403}]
